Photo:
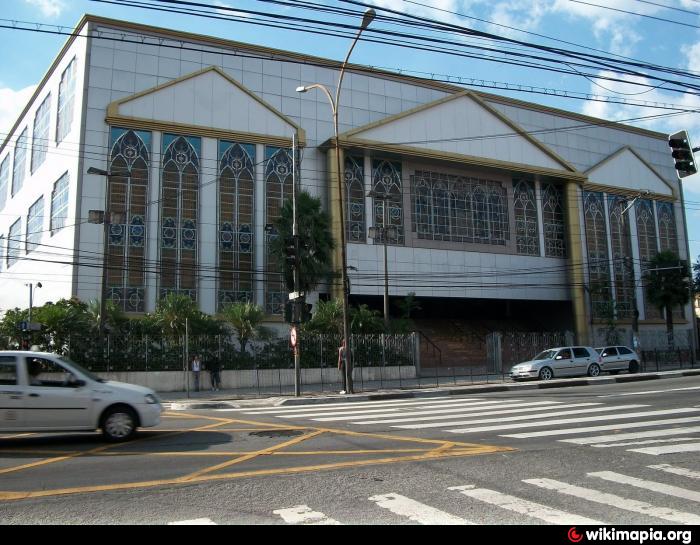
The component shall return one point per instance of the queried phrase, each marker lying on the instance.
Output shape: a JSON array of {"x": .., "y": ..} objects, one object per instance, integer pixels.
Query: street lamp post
[
  {"x": 31, "y": 298},
  {"x": 105, "y": 231},
  {"x": 366, "y": 20}
]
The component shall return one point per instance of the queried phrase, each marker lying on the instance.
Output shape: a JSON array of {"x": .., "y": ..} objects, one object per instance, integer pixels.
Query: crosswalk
[
  {"x": 598, "y": 423},
  {"x": 606, "y": 493}
]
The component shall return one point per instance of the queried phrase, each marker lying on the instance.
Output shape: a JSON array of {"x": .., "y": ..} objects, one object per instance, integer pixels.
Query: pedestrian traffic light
[{"x": 682, "y": 154}]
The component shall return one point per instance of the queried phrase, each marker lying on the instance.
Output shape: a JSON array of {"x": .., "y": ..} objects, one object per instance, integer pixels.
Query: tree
[
  {"x": 365, "y": 320},
  {"x": 667, "y": 286},
  {"x": 172, "y": 312},
  {"x": 315, "y": 242},
  {"x": 696, "y": 278},
  {"x": 407, "y": 305},
  {"x": 114, "y": 317},
  {"x": 246, "y": 319},
  {"x": 328, "y": 318}
]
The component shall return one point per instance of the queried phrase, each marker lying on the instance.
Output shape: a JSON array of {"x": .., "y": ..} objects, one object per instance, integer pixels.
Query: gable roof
[
  {"x": 207, "y": 102},
  {"x": 462, "y": 128}
]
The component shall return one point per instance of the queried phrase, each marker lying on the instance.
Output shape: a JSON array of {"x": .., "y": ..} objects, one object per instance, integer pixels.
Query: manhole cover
[{"x": 276, "y": 433}]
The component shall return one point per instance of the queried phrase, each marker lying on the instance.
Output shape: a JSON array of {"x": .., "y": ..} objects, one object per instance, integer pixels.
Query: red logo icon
[{"x": 574, "y": 536}]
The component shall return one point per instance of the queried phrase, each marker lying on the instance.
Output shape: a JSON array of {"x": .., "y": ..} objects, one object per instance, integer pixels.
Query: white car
[
  {"x": 619, "y": 358},
  {"x": 43, "y": 392},
  {"x": 563, "y": 361}
]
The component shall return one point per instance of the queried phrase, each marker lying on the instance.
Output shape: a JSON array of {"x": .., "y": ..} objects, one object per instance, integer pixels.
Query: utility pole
[{"x": 296, "y": 311}]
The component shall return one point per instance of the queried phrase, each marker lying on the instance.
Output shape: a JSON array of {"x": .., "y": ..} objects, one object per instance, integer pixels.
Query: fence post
[{"x": 656, "y": 357}]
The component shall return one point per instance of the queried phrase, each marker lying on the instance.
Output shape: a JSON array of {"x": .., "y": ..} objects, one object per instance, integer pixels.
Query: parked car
[
  {"x": 43, "y": 392},
  {"x": 619, "y": 358},
  {"x": 563, "y": 361}
]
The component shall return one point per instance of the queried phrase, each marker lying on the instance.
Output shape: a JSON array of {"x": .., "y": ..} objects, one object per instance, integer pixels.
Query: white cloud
[
  {"x": 11, "y": 104},
  {"x": 49, "y": 8}
]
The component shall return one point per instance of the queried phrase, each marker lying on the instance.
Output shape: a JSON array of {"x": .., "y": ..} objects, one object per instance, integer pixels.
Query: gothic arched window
[
  {"x": 129, "y": 164},
  {"x": 355, "y": 228},
  {"x": 527, "y": 240},
  {"x": 386, "y": 180},
  {"x": 597, "y": 249}
]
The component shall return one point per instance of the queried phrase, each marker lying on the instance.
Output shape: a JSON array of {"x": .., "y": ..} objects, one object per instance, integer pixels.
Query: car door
[
  {"x": 53, "y": 400},
  {"x": 563, "y": 363},
  {"x": 626, "y": 356},
  {"x": 611, "y": 359},
  {"x": 582, "y": 359},
  {"x": 11, "y": 395}
]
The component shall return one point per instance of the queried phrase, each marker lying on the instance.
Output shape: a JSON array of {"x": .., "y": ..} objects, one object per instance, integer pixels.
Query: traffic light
[
  {"x": 682, "y": 154},
  {"x": 291, "y": 252}
]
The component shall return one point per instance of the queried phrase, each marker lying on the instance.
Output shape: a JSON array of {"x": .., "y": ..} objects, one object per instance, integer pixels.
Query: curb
[{"x": 437, "y": 392}]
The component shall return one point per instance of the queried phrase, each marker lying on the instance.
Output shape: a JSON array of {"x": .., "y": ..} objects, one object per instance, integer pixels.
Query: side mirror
[{"x": 559, "y": 358}]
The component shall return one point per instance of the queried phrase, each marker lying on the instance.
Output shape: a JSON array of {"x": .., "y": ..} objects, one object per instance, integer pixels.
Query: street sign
[
  {"x": 293, "y": 337},
  {"x": 295, "y": 295}
]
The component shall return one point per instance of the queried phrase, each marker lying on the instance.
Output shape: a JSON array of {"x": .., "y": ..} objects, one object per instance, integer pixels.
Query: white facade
[{"x": 168, "y": 84}]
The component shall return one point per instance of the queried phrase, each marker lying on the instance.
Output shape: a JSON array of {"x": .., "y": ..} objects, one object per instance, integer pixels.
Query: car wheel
[
  {"x": 634, "y": 367},
  {"x": 119, "y": 424},
  {"x": 546, "y": 373},
  {"x": 594, "y": 370}
]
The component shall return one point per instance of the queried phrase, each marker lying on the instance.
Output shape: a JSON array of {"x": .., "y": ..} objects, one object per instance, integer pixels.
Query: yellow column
[
  {"x": 576, "y": 276},
  {"x": 334, "y": 213}
]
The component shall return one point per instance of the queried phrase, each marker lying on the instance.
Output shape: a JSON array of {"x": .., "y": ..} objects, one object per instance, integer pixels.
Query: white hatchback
[
  {"x": 563, "y": 361},
  {"x": 43, "y": 392}
]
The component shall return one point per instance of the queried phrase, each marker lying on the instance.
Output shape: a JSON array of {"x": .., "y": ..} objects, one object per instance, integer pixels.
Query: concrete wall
[{"x": 174, "y": 381}]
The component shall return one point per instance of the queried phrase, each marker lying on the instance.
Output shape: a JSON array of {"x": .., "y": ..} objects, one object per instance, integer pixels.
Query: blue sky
[{"x": 27, "y": 55}]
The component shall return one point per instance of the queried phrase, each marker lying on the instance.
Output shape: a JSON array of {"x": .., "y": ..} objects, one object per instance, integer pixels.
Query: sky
[{"x": 662, "y": 32}]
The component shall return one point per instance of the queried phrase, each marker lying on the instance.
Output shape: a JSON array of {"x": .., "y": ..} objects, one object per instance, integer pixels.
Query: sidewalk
[{"x": 234, "y": 399}]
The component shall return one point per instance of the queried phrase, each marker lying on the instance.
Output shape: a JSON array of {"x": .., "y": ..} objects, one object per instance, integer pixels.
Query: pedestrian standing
[
  {"x": 215, "y": 371},
  {"x": 341, "y": 364},
  {"x": 196, "y": 369}
]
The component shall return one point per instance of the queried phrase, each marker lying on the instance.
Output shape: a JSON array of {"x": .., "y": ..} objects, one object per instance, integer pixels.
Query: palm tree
[
  {"x": 667, "y": 286},
  {"x": 315, "y": 242},
  {"x": 172, "y": 312},
  {"x": 365, "y": 320},
  {"x": 328, "y": 318},
  {"x": 245, "y": 318},
  {"x": 114, "y": 317}
]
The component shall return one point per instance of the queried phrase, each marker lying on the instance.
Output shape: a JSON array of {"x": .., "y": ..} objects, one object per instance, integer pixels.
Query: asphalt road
[{"x": 590, "y": 455}]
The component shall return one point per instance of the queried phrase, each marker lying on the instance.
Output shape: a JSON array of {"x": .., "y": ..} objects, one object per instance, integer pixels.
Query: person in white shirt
[{"x": 196, "y": 369}]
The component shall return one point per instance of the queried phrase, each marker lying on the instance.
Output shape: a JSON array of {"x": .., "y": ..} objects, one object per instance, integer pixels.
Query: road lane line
[
  {"x": 416, "y": 511},
  {"x": 668, "y": 449},
  {"x": 569, "y": 431},
  {"x": 652, "y": 392},
  {"x": 524, "y": 507},
  {"x": 653, "y": 486},
  {"x": 517, "y": 421},
  {"x": 303, "y": 514},
  {"x": 634, "y": 435},
  {"x": 468, "y": 413},
  {"x": 677, "y": 470},
  {"x": 613, "y": 500}
]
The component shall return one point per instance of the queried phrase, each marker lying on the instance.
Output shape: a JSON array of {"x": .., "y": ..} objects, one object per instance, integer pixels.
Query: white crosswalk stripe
[
  {"x": 303, "y": 514},
  {"x": 416, "y": 511},
  {"x": 669, "y": 449},
  {"x": 193, "y": 522},
  {"x": 677, "y": 470},
  {"x": 647, "y": 442},
  {"x": 277, "y": 411},
  {"x": 653, "y": 486},
  {"x": 524, "y": 507},
  {"x": 617, "y": 437}
]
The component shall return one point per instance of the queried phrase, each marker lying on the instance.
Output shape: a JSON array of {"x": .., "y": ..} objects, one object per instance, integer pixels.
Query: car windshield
[
  {"x": 546, "y": 355},
  {"x": 77, "y": 367}
]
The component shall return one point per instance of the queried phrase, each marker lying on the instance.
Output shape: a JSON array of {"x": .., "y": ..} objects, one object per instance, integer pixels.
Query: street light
[
  {"x": 335, "y": 103},
  {"x": 31, "y": 298},
  {"x": 383, "y": 234},
  {"x": 104, "y": 219}
]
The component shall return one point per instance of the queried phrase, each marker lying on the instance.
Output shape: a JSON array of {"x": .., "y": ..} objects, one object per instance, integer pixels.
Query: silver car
[
  {"x": 619, "y": 358},
  {"x": 563, "y": 361}
]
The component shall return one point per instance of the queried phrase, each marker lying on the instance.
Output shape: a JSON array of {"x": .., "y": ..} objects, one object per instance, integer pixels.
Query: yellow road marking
[
  {"x": 243, "y": 453},
  {"x": 254, "y": 454}
]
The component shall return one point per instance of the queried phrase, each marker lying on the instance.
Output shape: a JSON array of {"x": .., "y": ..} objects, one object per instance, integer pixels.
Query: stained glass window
[
  {"x": 40, "y": 135},
  {"x": 19, "y": 166},
  {"x": 597, "y": 249},
  {"x": 66, "y": 93},
  {"x": 667, "y": 227},
  {"x": 236, "y": 222},
  {"x": 178, "y": 215},
  {"x": 35, "y": 224},
  {"x": 621, "y": 255},
  {"x": 355, "y": 200},
  {"x": 459, "y": 209},
  {"x": 386, "y": 180},
  {"x": 278, "y": 187},
  {"x": 527, "y": 238},
  {"x": 646, "y": 237},
  {"x": 13, "y": 242},
  {"x": 553, "y": 220},
  {"x": 127, "y": 206}
]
